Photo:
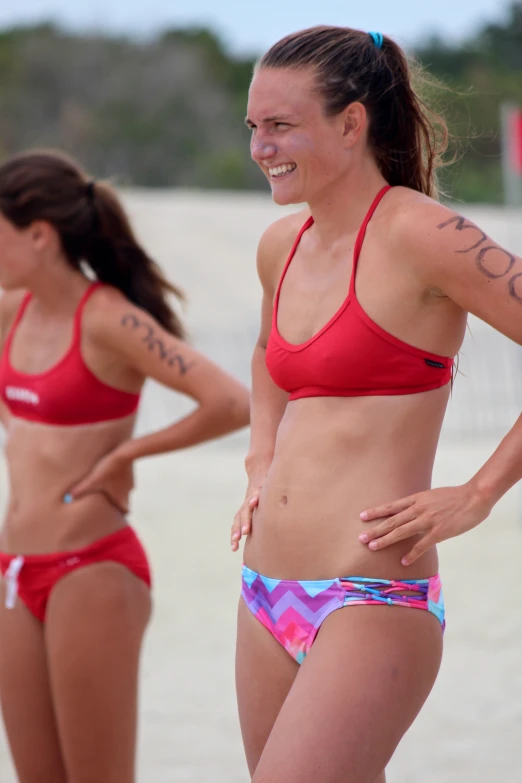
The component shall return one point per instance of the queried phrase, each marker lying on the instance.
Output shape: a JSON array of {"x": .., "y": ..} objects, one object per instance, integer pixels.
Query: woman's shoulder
[
  {"x": 407, "y": 222},
  {"x": 425, "y": 237},
  {"x": 105, "y": 307},
  {"x": 105, "y": 295},
  {"x": 403, "y": 208},
  {"x": 276, "y": 243}
]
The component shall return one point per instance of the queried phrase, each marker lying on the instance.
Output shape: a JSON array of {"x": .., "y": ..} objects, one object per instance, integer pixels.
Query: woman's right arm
[{"x": 268, "y": 401}]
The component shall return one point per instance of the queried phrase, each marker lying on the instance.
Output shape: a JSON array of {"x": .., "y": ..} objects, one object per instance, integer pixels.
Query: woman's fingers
[
  {"x": 406, "y": 530},
  {"x": 387, "y": 509},
  {"x": 246, "y": 514},
  {"x": 415, "y": 528},
  {"x": 243, "y": 520},
  {"x": 235, "y": 533},
  {"x": 421, "y": 547},
  {"x": 82, "y": 488},
  {"x": 387, "y": 526},
  {"x": 117, "y": 499}
]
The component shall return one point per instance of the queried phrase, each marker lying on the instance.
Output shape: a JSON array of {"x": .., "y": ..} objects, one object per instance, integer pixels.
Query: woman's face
[
  {"x": 300, "y": 150},
  {"x": 17, "y": 255}
]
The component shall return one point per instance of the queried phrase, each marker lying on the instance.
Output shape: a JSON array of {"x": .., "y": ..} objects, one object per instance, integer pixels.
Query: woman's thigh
[
  {"x": 25, "y": 696},
  {"x": 95, "y": 622},
  {"x": 265, "y": 673},
  {"x": 361, "y": 686}
]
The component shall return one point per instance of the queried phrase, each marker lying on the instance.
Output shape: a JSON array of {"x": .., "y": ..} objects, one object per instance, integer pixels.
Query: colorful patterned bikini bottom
[{"x": 293, "y": 612}]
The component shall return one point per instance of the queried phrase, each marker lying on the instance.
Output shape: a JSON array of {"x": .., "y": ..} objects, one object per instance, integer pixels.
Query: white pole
[{"x": 511, "y": 177}]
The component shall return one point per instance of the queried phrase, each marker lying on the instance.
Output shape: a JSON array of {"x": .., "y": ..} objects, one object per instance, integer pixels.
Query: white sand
[{"x": 471, "y": 726}]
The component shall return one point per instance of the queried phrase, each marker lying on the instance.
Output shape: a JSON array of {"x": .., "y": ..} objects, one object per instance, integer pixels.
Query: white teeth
[{"x": 278, "y": 171}]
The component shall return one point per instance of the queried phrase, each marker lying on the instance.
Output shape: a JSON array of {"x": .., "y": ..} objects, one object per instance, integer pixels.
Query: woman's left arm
[
  {"x": 482, "y": 278},
  {"x": 152, "y": 352},
  {"x": 222, "y": 401}
]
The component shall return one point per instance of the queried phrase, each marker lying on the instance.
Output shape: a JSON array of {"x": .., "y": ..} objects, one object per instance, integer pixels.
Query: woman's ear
[
  {"x": 42, "y": 235},
  {"x": 355, "y": 123}
]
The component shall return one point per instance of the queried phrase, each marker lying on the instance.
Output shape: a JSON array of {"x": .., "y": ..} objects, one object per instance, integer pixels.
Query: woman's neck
[
  {"x": 341, "y": 209},
  {"x": 59, "y": 290}
]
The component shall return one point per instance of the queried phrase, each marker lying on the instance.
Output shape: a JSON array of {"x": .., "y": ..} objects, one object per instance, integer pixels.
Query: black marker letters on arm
[
  {"x": 153, "y": 343},
  {"x": 492, "y": 261}
]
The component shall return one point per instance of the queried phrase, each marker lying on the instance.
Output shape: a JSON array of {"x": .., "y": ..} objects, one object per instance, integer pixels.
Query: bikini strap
[
  {"x": 81, "y": 306},
  {"x": 304, "y": 228},
  {"x": 19, "y": 315},
  {"x": 362, "y": 233}
]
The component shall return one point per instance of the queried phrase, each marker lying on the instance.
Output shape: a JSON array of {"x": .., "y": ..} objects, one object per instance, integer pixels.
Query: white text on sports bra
[{"x": 22, "y": 395}]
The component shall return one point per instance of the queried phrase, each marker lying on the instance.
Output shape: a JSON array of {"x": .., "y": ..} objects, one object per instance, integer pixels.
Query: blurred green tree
[{"x": 169, "y": 111}]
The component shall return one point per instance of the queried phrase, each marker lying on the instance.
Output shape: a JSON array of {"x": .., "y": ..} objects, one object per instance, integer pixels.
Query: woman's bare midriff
[
  {"x": 334, "y": 458},
  {"x": 43, "y": 463}
]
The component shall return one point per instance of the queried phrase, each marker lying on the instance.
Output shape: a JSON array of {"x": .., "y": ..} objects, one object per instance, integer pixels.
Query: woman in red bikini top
[
  {"x": 74, "y": 354},
  {"x": 365, "y": 299}
]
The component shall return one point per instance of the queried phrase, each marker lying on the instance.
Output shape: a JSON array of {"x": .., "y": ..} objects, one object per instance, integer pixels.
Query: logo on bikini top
[
  {"x": 431, "y": 363},
  {"x": 22, "y": 395}
]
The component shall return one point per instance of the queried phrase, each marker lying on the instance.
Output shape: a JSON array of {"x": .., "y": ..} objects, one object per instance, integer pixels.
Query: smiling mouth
[{"x": 277, "y": 172}]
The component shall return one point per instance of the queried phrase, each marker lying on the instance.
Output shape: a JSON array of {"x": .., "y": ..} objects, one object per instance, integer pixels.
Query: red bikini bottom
[{"x": 32, "y": 577}]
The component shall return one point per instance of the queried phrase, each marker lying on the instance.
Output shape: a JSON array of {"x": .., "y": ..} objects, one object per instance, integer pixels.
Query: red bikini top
[
  {"x": 351, "y": 356},
  {"x": 68, "y": 393}
]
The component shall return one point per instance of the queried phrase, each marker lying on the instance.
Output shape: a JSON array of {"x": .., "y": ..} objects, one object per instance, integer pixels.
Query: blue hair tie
[{"x": 378, "y": 39}]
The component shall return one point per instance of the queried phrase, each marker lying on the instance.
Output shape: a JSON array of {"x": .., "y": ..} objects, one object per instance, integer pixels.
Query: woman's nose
[{"x": 262, "y": 150}]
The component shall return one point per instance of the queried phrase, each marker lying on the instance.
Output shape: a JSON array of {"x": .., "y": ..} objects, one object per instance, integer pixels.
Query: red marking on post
[{"x": 515, "y": 138}]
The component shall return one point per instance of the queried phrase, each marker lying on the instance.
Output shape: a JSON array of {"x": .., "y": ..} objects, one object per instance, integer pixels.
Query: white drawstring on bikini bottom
[{"x": 11, "y": 581}]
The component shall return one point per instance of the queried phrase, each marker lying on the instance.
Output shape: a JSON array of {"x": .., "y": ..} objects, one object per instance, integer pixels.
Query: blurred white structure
[{"x": 511, "y": 126}]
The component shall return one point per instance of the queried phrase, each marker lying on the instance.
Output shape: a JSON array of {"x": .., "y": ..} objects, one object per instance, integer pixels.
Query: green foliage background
[{"x": 169, "y": 112}]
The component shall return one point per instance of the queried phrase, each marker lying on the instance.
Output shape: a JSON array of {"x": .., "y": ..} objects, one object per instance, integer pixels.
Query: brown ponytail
[
  {"x": 92, "y": 225},
  {"x": 407, "y": 137}
]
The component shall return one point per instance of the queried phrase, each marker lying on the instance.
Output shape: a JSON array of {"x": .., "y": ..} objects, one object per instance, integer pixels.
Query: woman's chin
[
  {"x": 10, "y": 285},
  {"x": 283, "y": 196}
]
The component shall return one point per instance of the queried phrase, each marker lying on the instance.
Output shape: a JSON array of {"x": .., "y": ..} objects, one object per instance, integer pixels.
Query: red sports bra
[
  {"x": 351, "y": 356},
  {"x": 68, "y": 393}
]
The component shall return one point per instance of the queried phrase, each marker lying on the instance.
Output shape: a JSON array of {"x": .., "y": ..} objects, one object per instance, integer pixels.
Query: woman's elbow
[
  {"x": 233, "y": 409},
  {"x": 239, "y": 409}
]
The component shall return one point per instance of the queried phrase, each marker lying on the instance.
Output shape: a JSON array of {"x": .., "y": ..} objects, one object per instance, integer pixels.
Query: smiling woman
[
  {"x": 366, "y": 294},
  {"x": 74, "y": 355},
  {"x": 401, "y": 131}
]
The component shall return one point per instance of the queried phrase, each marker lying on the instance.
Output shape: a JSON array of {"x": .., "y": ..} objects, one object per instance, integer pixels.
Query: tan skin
[
  {"x": 69, "y": 687},
  {"x": 315, "y": 464}
]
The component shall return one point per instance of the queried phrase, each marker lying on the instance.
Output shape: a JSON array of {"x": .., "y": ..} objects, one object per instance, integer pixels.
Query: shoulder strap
[
  {"x": 362, "y": 233},
  {"x": 81, "y": 306},
  {"x": 19, "y": 315},
  {"x": 306, "y": 226}
]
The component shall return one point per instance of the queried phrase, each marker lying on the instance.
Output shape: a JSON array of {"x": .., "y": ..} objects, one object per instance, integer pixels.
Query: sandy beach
[{"x": 471, "y": 726}]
